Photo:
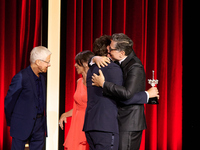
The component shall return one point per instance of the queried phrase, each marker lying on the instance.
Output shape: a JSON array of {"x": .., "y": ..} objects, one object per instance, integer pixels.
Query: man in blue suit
[
  {"x": 101, "y": 125},
  {"x": 25, "y": 102}
]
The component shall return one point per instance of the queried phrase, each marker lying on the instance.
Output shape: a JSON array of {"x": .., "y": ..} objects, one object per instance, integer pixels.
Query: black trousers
[
  {"x": 98, "y": 140},
  {"x": 130, "y": 140}
]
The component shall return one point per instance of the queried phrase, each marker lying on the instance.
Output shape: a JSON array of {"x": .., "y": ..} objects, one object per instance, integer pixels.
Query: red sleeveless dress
[{"x": 76, "y": 139}]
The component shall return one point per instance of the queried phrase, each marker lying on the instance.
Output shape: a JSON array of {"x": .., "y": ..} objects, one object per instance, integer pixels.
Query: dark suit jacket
[
  {"x": 131, "y": 117},
  {"x": 21, "y": 104},
  {"x": 101, "y": 112}
]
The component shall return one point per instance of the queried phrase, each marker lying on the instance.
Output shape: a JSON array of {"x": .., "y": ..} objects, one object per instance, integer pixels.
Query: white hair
[{"x": 39, "y": 53}]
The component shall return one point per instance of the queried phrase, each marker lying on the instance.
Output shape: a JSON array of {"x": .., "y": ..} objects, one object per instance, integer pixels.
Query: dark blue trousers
[
  {"x": 98, "y": 140},
  {"x": 36, "y": 139}
]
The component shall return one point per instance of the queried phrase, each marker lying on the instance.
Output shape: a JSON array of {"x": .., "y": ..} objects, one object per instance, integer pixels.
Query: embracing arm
[
  {"x": 99, "y": 61},
  {"x": 131, "y": 85},
  {"x": 129, "y": 93},
  {"x": 138, "y": 98},
  {"x": 13, "y": 93}
]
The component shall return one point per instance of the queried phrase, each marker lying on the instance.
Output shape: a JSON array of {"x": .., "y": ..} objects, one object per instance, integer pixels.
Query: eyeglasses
[
  {"x": 110, "y": 49},
  {"x": 45, "y": 61}
]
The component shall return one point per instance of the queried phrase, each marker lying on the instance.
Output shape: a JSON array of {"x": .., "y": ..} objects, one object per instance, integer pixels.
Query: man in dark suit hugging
[
  {"x": 101, "y": 125},
  {"x": 132, "y": 94}
]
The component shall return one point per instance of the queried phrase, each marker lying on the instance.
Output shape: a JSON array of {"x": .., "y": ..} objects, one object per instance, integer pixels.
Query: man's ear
[
  {"x": 37, "y": 62},
  {"x": 108, "y": 48},
  {"x": 85, "y": 64},
  {"x": 122, "y": 53}
]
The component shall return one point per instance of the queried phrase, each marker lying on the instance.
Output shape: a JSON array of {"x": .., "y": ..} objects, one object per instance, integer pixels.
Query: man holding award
[{"x": 131, "y": 116}]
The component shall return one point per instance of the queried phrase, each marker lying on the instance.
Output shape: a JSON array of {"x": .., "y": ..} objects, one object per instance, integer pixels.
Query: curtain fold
[
  {"x": 20, "y": 29},
  {"x": 156, "y": 30}
]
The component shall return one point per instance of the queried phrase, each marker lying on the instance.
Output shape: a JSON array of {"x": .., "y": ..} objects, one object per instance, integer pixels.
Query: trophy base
[{"x": 153, "y": 100}]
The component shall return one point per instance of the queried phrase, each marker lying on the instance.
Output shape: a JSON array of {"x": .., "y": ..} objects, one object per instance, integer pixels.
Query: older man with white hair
[{"x": 25, "y": 102}]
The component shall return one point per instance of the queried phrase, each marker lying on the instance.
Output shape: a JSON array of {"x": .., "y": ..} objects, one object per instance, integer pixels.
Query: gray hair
[
  {"x": 124, "y": 43},
  {"x": 39, "y": 53}
]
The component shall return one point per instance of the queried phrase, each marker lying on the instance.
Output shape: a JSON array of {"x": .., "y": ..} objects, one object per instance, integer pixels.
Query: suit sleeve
[
  {"x": 90, "y": 62},
  {"x": 12, "y": 96},
  {"x": 138, "y": 98},
  {"x": 113, "y": 75},
  {"x": 131, "y": 86}
]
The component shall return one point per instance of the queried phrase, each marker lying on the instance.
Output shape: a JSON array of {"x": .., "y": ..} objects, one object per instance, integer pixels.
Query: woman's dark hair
[
  {"x": 100, "y": 45},
  {"x": 83, "y": 56}
]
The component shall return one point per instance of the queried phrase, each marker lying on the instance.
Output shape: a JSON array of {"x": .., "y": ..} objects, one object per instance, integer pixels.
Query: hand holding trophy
[{"x": 153, "y": 82}]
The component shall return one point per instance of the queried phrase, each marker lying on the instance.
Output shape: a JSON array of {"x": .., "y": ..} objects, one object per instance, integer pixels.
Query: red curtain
[
  {"x": 20, "y": 29},
  {"x": 156, "y": 29}
]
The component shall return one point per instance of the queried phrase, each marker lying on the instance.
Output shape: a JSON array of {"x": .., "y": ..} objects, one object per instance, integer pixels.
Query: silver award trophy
[{"x": 153, "y": 82}]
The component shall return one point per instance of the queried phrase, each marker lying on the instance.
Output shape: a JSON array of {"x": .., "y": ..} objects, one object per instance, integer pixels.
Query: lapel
[{"x": 31, "y": 78}]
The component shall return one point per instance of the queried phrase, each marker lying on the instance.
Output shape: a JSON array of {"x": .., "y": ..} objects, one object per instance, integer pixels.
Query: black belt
[{"x": 39, "y": 115}]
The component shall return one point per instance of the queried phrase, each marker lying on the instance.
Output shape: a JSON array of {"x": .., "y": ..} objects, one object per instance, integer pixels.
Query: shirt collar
[
  {"x": 120, "y": 62},
  {"x": 35, "y": 77}
]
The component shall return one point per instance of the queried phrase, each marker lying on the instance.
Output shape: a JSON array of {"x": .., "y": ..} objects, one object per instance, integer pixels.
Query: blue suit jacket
[
  {"x": 21, "y": 104},
  {"x": 101, "y": 112}
]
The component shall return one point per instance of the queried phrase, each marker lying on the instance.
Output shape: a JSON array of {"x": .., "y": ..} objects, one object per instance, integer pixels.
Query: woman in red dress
[{"x": 76, "y": 139}]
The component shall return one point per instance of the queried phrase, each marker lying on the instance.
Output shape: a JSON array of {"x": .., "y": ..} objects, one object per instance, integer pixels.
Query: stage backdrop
[
  {"x": 155, "y": 27},
  {"x": 20, "y": 31}
]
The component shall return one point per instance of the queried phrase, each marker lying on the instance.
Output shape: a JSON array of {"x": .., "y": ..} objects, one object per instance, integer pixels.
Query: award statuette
[{"x": 153, "y": 82}]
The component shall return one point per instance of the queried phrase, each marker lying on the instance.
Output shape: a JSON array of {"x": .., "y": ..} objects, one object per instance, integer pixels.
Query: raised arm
[{"x": 100, "y": 61}]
